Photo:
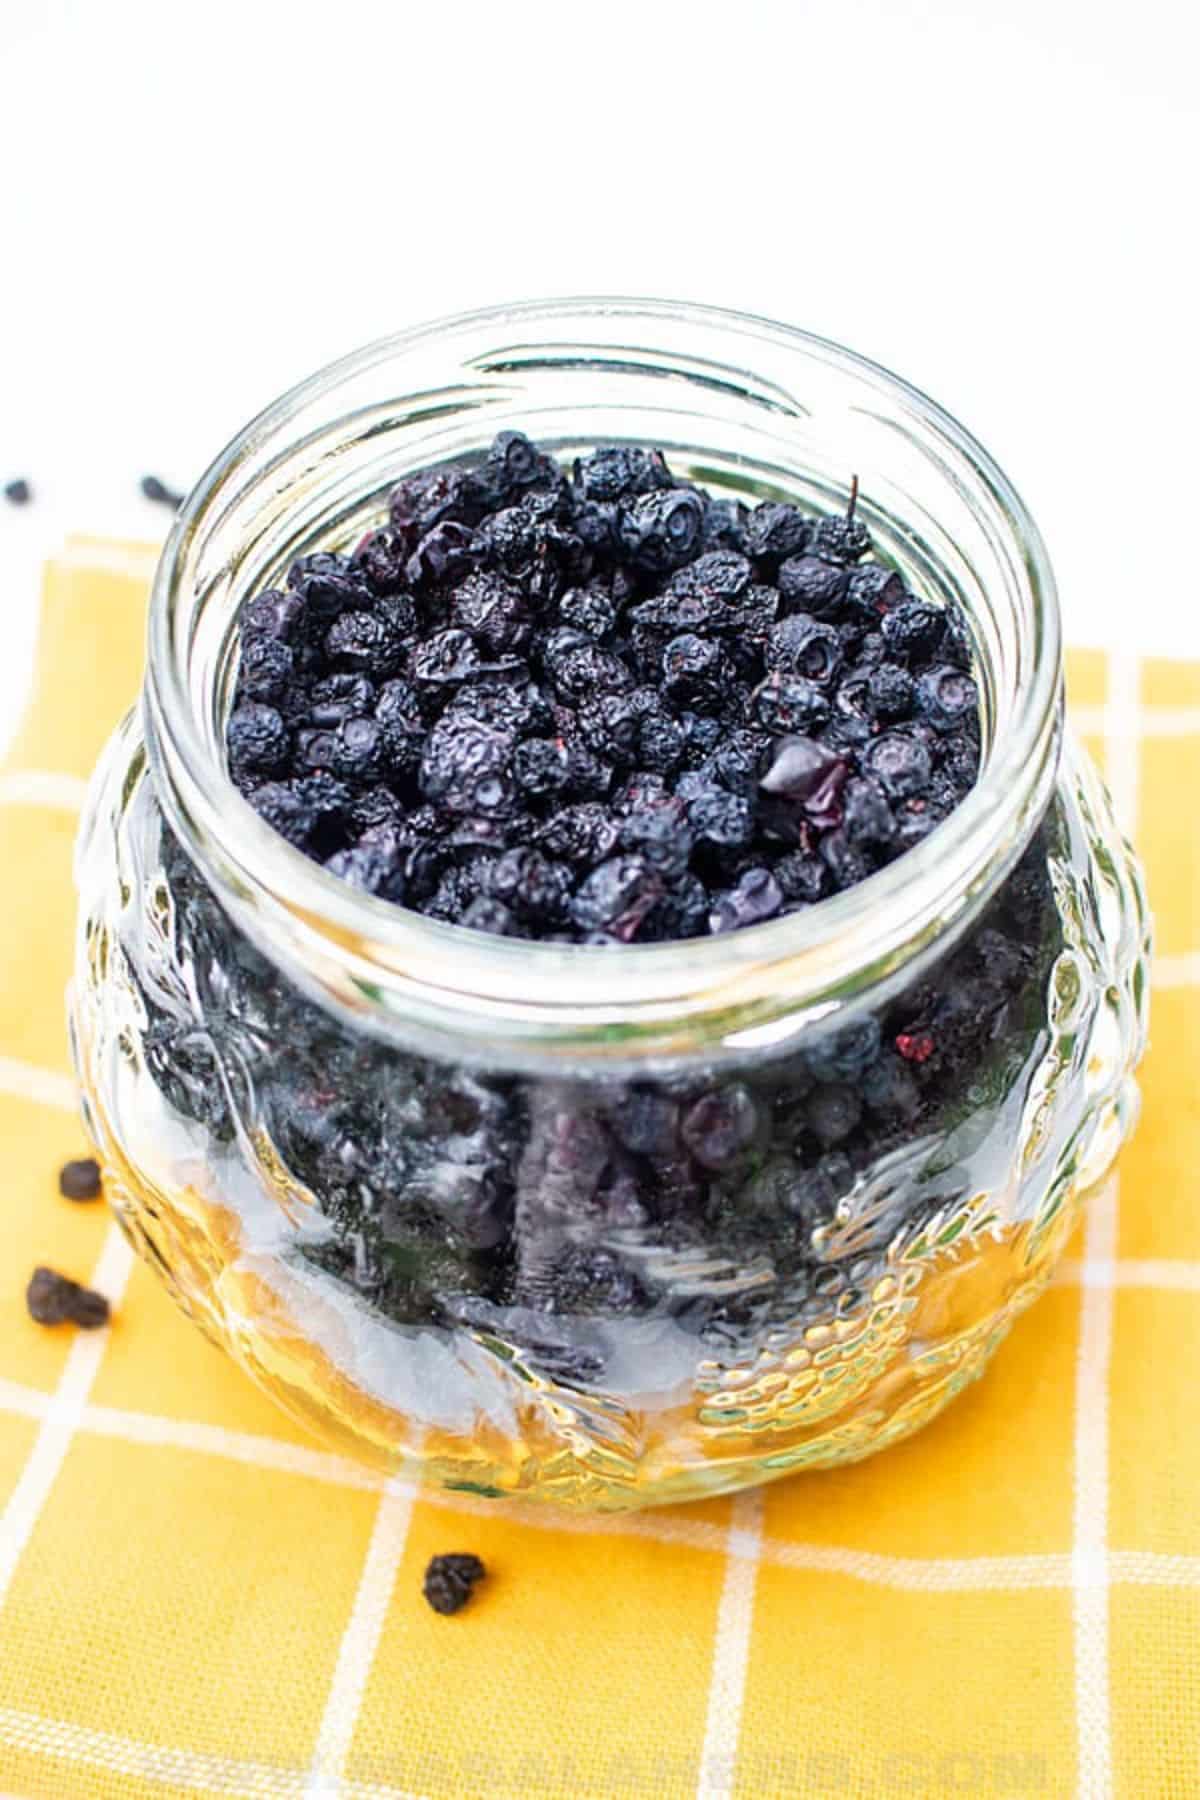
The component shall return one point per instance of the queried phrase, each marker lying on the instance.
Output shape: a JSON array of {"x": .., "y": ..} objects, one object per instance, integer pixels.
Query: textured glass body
[{"x": 607, "y": 1227}]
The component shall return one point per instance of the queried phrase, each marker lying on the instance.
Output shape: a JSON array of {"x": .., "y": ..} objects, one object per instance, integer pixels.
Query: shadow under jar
[{"x": 607, "y": 1226}]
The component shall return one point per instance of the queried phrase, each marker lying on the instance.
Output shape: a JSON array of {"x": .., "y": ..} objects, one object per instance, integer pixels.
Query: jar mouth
[{"x": 788, "y": 413}]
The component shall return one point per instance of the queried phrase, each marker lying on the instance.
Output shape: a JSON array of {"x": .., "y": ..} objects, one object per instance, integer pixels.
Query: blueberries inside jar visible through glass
[
  {"x": 522, "y": 648},
  {"x": 544, "y": 1211}
]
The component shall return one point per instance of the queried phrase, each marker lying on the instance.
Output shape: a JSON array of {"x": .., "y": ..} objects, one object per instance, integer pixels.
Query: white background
[{"x": 202, "y": 203}]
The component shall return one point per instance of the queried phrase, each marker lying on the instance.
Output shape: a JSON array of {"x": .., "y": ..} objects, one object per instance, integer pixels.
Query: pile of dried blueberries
[{"x": 600, "y": 706}]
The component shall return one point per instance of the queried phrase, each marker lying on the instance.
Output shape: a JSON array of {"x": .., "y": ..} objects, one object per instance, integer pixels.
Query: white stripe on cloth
[
  {"x": 1089, "y": 1555},
  {"x": 32, "y": 1403},
  {"x": 911, "y": 1573},
  {"x": 84, "y": 552},
  {"x": 45, "y": 1087},
  {"x": 1123, "y": 721},
  {"x": 275, "y": 1454},
  {"x": 62, "y": 1415},
  {"x": 1151, "y": 1568},
  {"x": 1147, "y": 722},
  {"x": 360, "y": 1640},
  {"x": 1089, "y": 1558},
  {"x": 42, "y": 787},
  {"x": 1176, "y": 971},
  {"x": 1166, "y": 1276},
  {"x": 731, "y": 1649},
  {"x": 199, "y": 1769}
]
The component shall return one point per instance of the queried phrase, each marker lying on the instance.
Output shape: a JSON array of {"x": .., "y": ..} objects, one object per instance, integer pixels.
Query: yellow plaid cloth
[{"x": 196, "y": 1600}]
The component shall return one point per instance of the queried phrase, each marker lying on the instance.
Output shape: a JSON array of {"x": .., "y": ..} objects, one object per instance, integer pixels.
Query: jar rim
[{"x": 465, "y": 993}]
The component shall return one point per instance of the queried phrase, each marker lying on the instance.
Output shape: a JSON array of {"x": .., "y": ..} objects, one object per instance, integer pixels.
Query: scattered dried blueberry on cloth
[
  {"x": 450, "y": 1580},
  {"x": 80, "y": 1179},
  {"x": 54, "y": 1299}
]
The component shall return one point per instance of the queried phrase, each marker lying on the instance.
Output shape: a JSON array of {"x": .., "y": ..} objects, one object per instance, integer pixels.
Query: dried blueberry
[
  {"x": 257, "y": 739},
  {"x": 492, "y": 916},
  {"x": 802, "y": 877},
  {"x": 541, "y": 767},
  {"x": 273, "y": 613},
  {"x": 890, "y": 692},
  {"x": 682, "y": 912},
  {"x": 890, "y": 1090},
  {"x": 366, "y": 641},
  {"x": 610, "y": 725},
  {"x": 840, "y": 538},
  {"x": 662, "y": 742},
  {"x": 756, "y": 897},
  {"x": 847, "y": 864},
  {"x": 790, "y": 703},
  {"x": 831, "y": 1112},
  {"x": 265, "y": 670},
  {"x": 54, "y": 1299},
  {"x": 295, "y": 813},
  {"x": 737, "y": 760},
  {"x": 845, "y": 1054},
  {"x": 719, "y": 818},
  {"x": 430, "y": 497},
  {"x": 661, "y": 834},
  {"x": 774, "y": 531},
  {"x": 646, "y": 1122},
  {"x": 661, "y": 529},
  {"x": 947, "y": 698},
  {"x": 340, "y": 697},
  {"x": 724, "y": 523},
  {"x": 721, "y": 1126},
  {"x": 512, "y": 462},
  {"x": 868, "y": 819},
  {"x": 493, "y": 610},
  {"x": 873, "y": 589},
  {"x": 616, "y": 897},
  {"x": 800, "y": 645},
  {"x": 583, "y": 834},
  {"x": 382, "y": 558},
  {"x": 443, "y": 555},
  {"x": 588, "y": 609},
  {"x": 579, "y": 669},
  {"x": 446, "y": 658},
  {"x": 530, "y": 885},
  {"x": 900, "y": 763},
  {"x": 613, "y": 473},
  {"x": 810, "y": 585},
  {"x": 328, "y": 584},
  {"x": 450, "y": 1580},
  {"x": 359, "y": 750},
  {"x": 913, "y": 630},
  {"x": 466, "y": 767},
  {"x": 694, "y": 672},
  {"x": 80, "y": 1180},
  {"x": 373, "y": 864}
]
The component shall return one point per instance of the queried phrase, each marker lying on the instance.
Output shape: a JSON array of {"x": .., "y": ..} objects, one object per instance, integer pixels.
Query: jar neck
[{"x": 740, "y": 405}]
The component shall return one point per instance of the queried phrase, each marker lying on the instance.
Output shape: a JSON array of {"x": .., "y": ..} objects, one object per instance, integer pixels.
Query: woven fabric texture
[{"x": 197, "y": 1600}]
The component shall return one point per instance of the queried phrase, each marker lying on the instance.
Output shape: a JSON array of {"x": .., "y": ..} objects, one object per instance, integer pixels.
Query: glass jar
[{"x": 604, "y": 1226}]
